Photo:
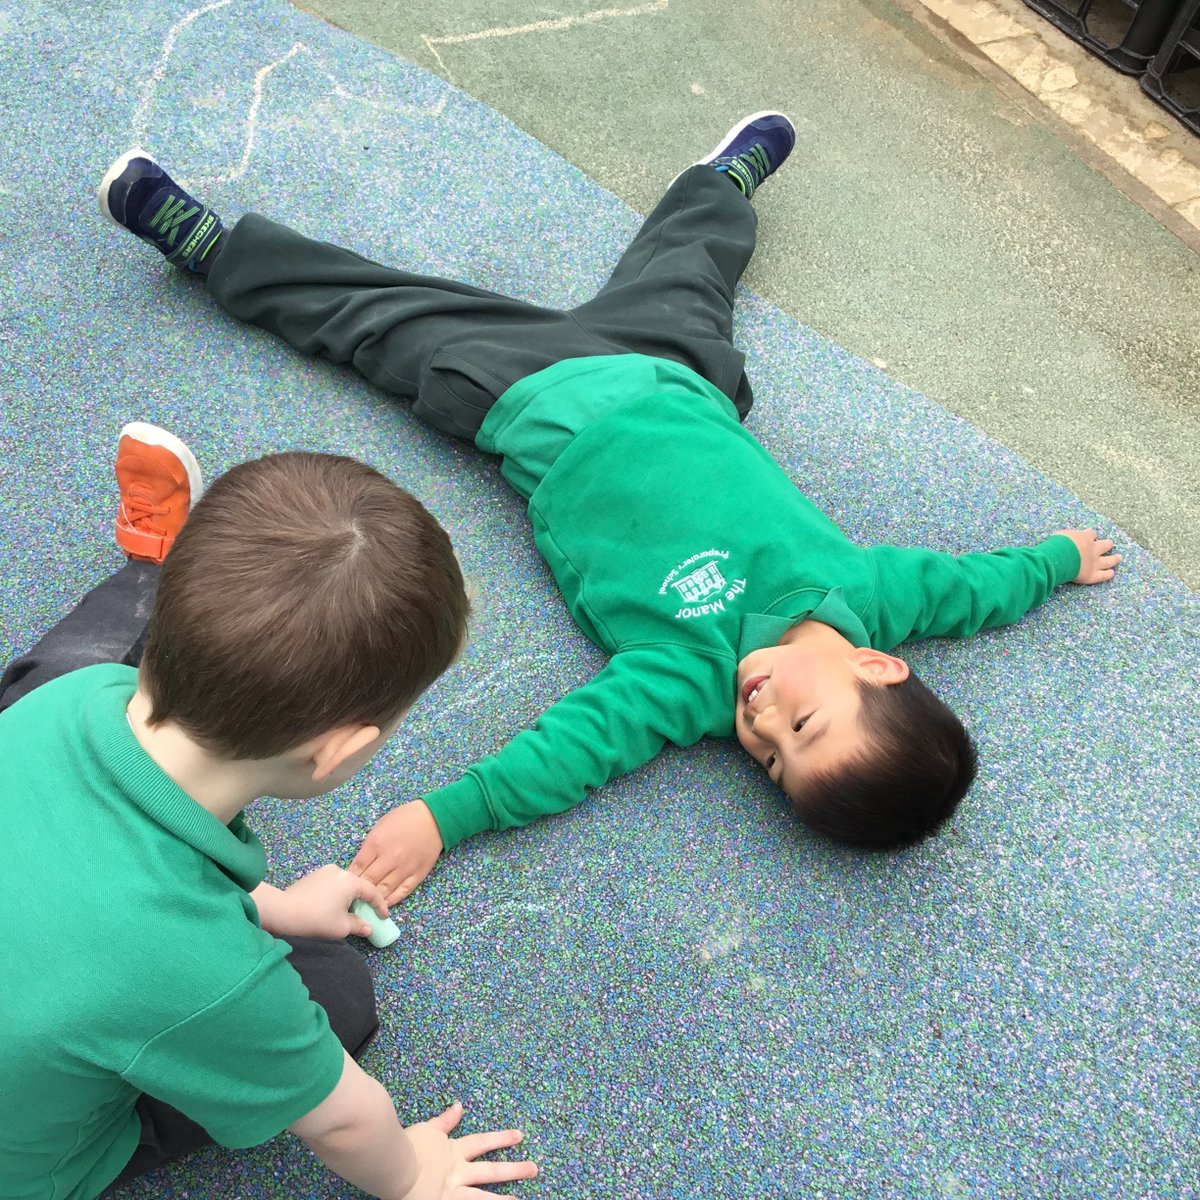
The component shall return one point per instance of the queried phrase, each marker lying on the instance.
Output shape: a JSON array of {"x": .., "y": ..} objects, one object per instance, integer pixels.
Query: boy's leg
[
  {"x": 158, "y": 478},
  {"x": 456, "y": 348},
  {"x": 337, "y": 978},
  {"x": 671, "y": 294},
  {"x": 107, "y": 626},
  {"x": 167, "y": 1136},
  {"x": 451, "y": 348}
]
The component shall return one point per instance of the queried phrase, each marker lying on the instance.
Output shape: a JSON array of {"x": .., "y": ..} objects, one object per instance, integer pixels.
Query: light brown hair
[{"x": 305, "y": 592}]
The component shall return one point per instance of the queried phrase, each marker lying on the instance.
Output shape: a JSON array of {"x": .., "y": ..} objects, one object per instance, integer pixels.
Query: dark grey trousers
[
  {"x": 109, "y": 625},
  {"x": 453, "y": 349}
]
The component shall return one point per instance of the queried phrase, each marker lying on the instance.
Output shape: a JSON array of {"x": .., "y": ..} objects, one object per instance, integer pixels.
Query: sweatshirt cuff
[
  {"x": 1065, "y": 556},
  {"x": 460, "y": 810}
]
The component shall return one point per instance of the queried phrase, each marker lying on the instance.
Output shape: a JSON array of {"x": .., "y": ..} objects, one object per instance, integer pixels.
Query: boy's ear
[
  {"x": 879, "y": 667},
  {"x": 332, "y": 749}
]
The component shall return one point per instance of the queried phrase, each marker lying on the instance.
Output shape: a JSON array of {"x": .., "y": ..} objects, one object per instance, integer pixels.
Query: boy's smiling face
[{"x": 798, "y": 701}]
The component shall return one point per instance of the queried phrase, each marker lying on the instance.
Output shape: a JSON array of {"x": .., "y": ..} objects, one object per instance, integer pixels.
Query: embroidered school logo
[
  {"x": 704, "y": 589},
  {"x": 700, "y": 583}
]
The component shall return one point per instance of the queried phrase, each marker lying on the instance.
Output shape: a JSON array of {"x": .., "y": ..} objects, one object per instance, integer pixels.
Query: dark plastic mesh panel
[{"x": 1125, "y": 33}]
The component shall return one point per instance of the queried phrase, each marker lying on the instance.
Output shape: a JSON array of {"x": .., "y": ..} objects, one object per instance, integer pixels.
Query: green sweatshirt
[{"x": 681, "y": 546}]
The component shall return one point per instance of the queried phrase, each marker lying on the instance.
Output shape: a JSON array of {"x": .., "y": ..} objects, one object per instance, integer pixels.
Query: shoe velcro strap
[{"x": 144, "y": 545}]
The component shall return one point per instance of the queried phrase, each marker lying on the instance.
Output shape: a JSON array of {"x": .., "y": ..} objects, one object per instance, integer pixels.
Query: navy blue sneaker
[
  {"x": 140, "y": 196},
  {"x": 753, "y": 149}
]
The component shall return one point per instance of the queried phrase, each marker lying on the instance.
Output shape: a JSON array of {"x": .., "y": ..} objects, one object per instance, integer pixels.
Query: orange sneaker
[{"x": 159, "y": 480}]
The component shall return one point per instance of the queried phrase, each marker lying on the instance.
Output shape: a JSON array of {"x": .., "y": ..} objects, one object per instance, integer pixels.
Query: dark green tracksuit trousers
[{"x": 454, "y": 349}]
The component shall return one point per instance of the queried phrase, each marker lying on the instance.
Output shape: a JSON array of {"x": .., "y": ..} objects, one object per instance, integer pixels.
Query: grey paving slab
[{"x": 928, "y": 221}]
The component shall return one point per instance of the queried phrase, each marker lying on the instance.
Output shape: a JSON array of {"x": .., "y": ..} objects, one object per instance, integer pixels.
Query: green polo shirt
[
  {"x": 133, "y": 957},
  {"x": 680, "y": 546}
]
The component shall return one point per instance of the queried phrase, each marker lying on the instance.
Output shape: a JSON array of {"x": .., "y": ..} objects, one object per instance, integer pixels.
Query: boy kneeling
[{"x": 303, "y": 607}]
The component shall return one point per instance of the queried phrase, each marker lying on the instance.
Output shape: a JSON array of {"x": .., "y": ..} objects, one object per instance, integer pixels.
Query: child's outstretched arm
[
  {"x": 927, "y": 593},
  {"x": 645, "y": 697},
  {"x": 1097, "y": 562},
  {"x": 356, "y": 1133}
]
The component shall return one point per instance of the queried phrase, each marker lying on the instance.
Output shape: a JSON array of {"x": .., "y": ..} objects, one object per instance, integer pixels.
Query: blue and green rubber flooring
[{"x": 673, "y": 989}]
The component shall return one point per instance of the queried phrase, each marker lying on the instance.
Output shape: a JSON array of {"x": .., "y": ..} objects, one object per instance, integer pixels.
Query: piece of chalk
[{"x": 384, "y": 931}]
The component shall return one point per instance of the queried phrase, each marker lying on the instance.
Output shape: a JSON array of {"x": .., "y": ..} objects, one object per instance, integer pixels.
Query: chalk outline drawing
[
  {"x": 502, "y": 677},
  {"x": 150, "y": 87},
  {"x": 549, "y": 26}
]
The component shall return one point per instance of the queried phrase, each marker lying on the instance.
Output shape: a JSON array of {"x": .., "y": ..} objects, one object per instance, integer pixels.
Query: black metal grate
[
  {"x": 1173, "y": 77},
  {"x": 1127, "y": 34}
]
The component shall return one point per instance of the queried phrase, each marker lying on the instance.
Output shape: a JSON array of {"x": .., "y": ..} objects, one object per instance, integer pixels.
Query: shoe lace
[
  {"x": 758, "y": 162},
  {"x": 750, "y": 167},
  {"x": 139, "y": 510}
]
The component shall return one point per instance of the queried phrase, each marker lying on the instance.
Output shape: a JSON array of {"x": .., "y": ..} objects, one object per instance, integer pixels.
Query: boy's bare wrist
[
  {"x": 381, "y": 1161},
  {"x": 277, "y": 912},
  {"x": 272, "y": 905}
]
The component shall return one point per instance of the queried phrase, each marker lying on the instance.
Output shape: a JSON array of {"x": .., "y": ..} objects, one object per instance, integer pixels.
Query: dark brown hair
[
  {"x": 306, "y": 591},
  {"x": 920, "y": 765}
]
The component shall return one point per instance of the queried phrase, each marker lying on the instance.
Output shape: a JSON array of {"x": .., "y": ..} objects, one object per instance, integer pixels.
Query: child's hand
[
  {"x": 319, "y": 905},
  {"x": 1097, "y": 562},
  {"x": 400, "y": 850},
  {"x": 447, "y": 1166}
]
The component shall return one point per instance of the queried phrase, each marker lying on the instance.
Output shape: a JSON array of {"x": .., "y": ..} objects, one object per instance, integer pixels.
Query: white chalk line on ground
[
  {"x": 515, "y": 672},
  {"x": 548, "y": 26},
  {"x": 151, "y": 85}
]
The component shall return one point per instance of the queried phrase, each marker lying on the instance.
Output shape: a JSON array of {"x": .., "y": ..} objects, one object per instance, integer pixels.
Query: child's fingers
[
  {"x": 348, "y": 924},
  {"x": 446, "y": 1121},
  {"x": 1105, "y": 567},
  {"x": 364, "y": 889},
  {"x": 473, "y": 1145},
  {"x": 375, "y": 870},
  {"x": 403, "y": 888},
  {"x": 387, "y": 886},
  {"x": 496, "y": 1172}
]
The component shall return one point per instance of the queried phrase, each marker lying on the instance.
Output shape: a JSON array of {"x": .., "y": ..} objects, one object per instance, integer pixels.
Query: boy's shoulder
[
  {"x": 163, "y": 886},
  {"x": 66, "y": 691}
]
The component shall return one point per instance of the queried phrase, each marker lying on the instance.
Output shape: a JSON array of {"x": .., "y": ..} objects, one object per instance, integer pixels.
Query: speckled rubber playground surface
[{"x": 673, "y": 989}]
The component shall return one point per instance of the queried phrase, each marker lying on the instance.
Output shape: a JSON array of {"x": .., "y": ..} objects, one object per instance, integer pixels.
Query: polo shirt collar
[
  {"x": 828, "y": 607},
  {"x": 234, "y": 848}
]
